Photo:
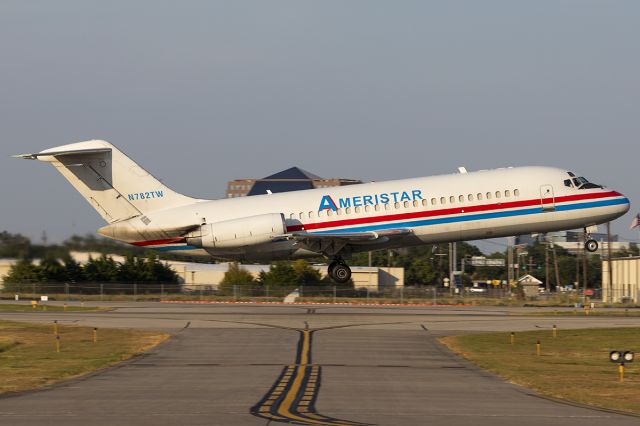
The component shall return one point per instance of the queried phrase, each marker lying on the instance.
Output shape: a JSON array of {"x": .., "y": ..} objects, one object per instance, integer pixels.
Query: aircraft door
[{"x": 547, "y": 198}]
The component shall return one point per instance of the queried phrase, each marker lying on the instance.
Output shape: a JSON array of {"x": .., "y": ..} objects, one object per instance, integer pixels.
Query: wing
[{"x": 332, "y": 242}]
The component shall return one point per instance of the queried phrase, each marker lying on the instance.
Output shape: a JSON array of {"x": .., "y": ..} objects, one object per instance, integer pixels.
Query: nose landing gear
[
  {"x": 339, "y": 271},
  {"x": 590, "y": 244}
]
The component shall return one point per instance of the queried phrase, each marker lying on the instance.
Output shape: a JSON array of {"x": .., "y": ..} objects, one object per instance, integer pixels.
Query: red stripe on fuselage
[{"x": 450, "y": 211}]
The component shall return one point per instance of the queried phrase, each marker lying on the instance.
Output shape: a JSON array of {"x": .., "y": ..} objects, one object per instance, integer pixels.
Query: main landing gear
[{"x": 339, "y": 271}]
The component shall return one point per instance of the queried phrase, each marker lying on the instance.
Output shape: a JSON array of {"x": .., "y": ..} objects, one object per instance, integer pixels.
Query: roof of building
[
  {"x": 529, "y": 279},
  {"x": 262, "y": 186},
  {"x": 293, "y": 173},
  {"x": 292, "y": 179}
]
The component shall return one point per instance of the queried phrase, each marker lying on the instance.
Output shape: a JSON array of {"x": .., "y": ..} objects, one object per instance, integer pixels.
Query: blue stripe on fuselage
[{"x": 479, "y": 216}]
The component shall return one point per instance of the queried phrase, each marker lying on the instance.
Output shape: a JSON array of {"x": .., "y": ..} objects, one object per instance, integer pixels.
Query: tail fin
[{"x": 115, "y": 186}]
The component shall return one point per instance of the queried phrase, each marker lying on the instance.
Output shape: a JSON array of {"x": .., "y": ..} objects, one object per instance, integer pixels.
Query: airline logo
[{"x": 328, "y": 203}]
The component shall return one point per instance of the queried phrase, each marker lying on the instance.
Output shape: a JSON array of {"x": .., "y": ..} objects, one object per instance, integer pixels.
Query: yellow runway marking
[{"x": 292, "y": 398}]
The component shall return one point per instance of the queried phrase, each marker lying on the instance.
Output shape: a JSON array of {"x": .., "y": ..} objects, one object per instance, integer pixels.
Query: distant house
[
  {"x": 292, "y": 179},
  {"x": 530, "y": 285}
]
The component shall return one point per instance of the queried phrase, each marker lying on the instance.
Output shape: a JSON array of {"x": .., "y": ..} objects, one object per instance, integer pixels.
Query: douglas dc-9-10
[{"x": 332, "y": 222}]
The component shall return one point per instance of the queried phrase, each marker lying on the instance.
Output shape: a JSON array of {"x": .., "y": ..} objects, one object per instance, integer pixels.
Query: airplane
[{"x": 332, "y": 222}]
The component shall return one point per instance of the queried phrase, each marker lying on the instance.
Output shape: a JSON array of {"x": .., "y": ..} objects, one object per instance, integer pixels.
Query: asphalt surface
[{"x": 320, "y": 365}]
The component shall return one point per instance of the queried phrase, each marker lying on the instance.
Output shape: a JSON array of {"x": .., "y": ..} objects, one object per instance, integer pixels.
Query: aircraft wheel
[
  {"x": 341, "y": 273},
  {"x": 591, "y": 245},
  {"x": 331, "y": 267}
]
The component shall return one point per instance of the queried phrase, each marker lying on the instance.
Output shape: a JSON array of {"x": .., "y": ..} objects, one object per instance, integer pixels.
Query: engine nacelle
[{"x": 237, "y": 233}]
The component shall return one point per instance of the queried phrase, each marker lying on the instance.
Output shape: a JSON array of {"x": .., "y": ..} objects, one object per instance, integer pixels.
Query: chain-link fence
[{"x": 315, "y": 293}]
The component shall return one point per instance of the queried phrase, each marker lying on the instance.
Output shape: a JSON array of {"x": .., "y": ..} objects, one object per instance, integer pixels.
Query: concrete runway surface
[{"x": 302, "y": 364}]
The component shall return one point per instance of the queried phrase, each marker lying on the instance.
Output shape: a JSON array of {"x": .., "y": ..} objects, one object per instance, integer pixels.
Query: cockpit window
[
  {"x": 579, "y": 181},
  {"x": 582, "y": 183},
  {"x": 568, "y": 183},
  {"x": 571, "y": 174}
]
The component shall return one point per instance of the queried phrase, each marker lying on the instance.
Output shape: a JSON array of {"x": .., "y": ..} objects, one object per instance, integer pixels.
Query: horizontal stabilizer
[{"x": 62, "y": 153}]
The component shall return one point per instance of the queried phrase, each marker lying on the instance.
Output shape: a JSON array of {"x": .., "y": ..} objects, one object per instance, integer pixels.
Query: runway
[{"x": 316, "y": 365}]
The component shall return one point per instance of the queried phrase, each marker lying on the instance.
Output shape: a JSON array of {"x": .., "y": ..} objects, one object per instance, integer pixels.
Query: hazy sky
[{"x": 200, "y": 92}]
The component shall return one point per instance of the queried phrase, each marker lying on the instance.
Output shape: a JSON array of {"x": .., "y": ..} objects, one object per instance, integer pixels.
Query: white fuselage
[{"x": 467, "y": 206}]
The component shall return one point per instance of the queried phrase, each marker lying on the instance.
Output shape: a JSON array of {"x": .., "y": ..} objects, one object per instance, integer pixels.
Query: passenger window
[
  {"x": 452, "y": 199},
  {"x": 498, "y": 195},
  {"x": 310, "y": 215},
  {"x": 301, "y": 215},
  {"x": 292, "y": 216},
  {"x": 377, "y": 207},
  {"x": 321, "y": 213},
  {"x": 397, "y": 205},
  {"x": 416, "y": 203},
  {"x": 461, "y": 198},
  {"x": 329, "y": 212},
  {"x": 507, "y": 193},
  {"x": 470, "y": 197},
  {"x": 424, "y": 202},
  {"x": 433, "y": 201},
  {"x": 339, "y": 212},
  {"x": 387, "y": 206},
  {"x": 516, "y": 192},
  {"x": 348, "y": 210},
  {"x": 406, "y": 204},
  {"x": 479, "y": 196},
  {"x": 367, "y": 209},
  {"x": 488, "y": 195},
  {"x": 443, "y": 200},
  {"x": 358, "y": 209}
]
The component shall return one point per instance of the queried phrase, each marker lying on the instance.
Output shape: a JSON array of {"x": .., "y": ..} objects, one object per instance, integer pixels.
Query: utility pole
[
  {"x": 578, "y": 265},
  {"x": 509, "y": 263},
  {"x": 555, "y": 266},
  {"x": 546, "y": 265},
  {"x": 585, "y": 271},
  {"x": 610, "y": 264},
  {"x": 451, "y": 269}
]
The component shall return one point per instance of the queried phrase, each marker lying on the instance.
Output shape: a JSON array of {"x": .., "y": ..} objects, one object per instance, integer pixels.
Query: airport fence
[
  {"x": 434, "y": 295},
  {"x": 164, "y": 291}
]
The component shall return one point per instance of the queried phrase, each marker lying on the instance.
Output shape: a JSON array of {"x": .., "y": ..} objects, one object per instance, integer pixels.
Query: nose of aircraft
[{"x": 623, "y": 206}]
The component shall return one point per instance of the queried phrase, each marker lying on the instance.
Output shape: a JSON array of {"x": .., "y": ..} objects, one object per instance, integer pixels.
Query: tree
[
  {"x": 305, "y": 273},
  {"x": 103, "y": 269},
  {"x": 73, "y": 270},
  {"x": 280, "y": 274},
  {"x": 51, "y": 270},
  {"x": 24, "y": 271},
  {"x": 420, "y": 272},
  {"x": 236, "y": 276}
]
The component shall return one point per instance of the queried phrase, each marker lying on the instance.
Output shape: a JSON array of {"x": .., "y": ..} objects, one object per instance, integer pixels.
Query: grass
[
  {"x": 4, "y": 308},
  {"x": 574, "y": 366},
  {"x": 28, "y": 357}
]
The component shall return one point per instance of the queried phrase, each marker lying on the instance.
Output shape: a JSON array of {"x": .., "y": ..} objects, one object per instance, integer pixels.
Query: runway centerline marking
[{"x": 292, "y": 397}]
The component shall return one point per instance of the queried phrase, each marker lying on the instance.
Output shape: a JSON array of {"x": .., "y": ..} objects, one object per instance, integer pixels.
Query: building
[
  {"x": 573, "y": 241},
  {"x": 208, "y": 276},
  {"x": 5, "y": 267},
  {"x": 292, "y": 179},
  {"x": 626, "y": 280},
  {"x": 563, "y": 237},
  {"x": 530, "y": 285}
]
